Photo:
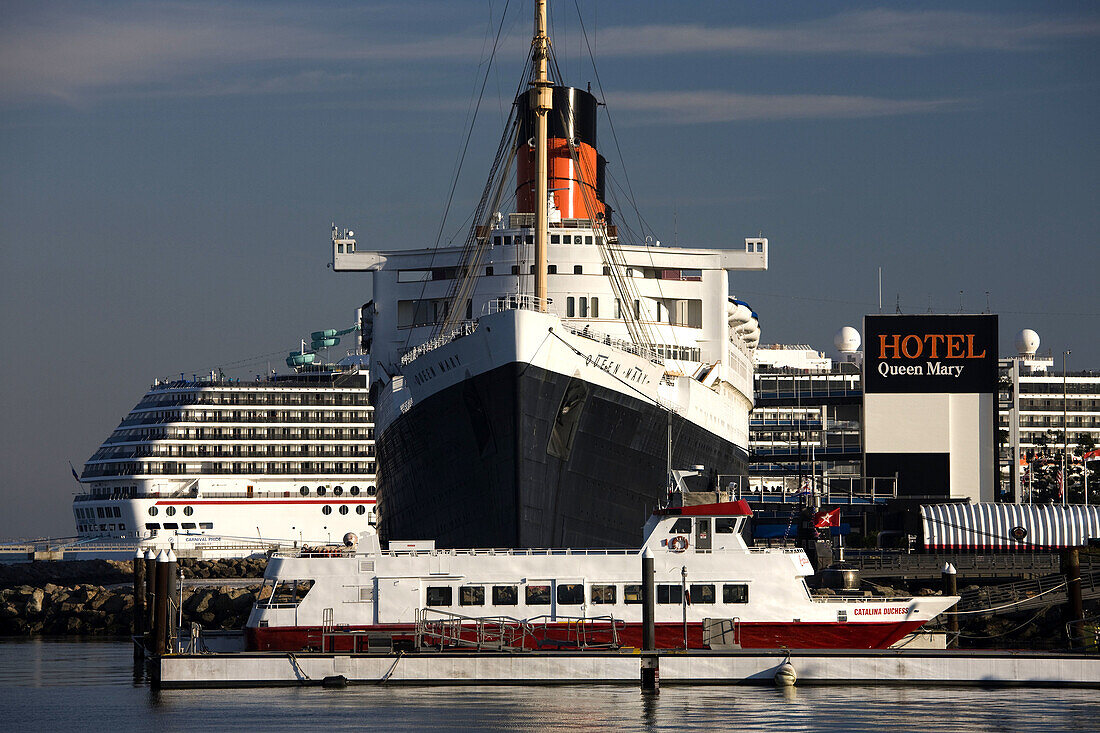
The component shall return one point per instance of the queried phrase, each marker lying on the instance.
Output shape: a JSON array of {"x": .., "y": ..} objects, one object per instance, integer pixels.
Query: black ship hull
[{"x": 525, "y": 457}]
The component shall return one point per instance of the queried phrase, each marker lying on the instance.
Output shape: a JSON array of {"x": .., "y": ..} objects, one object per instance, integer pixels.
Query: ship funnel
[{"x": 576, "y": 185}]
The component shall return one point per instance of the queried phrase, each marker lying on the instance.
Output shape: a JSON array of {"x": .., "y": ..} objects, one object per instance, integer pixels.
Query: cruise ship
[
  {"x": 213, "y": 462},
  {"x": 535, "y": 385}
]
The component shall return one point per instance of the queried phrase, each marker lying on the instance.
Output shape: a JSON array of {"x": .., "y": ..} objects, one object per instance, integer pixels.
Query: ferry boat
[
  {"x": 712, "y": 591},
  {"x": 530, "y": 382},
  {"x": 217, "y": 462}
]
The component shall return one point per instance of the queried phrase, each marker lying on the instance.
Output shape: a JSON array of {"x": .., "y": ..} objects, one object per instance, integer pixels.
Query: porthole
[
  {"x": 170, "y": 510},
  {"x": 320, "y": 491},
  {"x": 371, "y": 490},
  {"x": 326, "y": 509},
  {"x": 337, "y": 490},
  {"x": 152, "y": 511},
  {"x": 360, "y": 509},
  {"x": 343, "y": 508},
  {"x": 304, "y": 491},
  {"x": 354, "y": 491},
  {"x": 189, "y": 510}
]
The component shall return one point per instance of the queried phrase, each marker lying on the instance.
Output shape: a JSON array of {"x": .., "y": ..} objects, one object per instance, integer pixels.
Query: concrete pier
[{"x": 738, "y": 667}]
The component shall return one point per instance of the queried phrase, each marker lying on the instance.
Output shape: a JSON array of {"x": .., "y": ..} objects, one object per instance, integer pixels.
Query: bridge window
[
  {"x": 682, "y": 526},
  {"x": 505, "y": 595},
  {"x": 735, "y": 593},
  {"x": 471, "y": 595},
  {"x": 439, "y": 595},
  {"x": 725, "y": 525}
]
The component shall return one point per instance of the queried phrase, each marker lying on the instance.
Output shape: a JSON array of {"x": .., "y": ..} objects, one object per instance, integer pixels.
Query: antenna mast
[{"x": 543, "y": 102}]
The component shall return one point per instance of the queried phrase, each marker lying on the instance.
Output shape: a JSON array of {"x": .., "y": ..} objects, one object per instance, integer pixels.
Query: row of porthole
[
  {"x": 326, "y": 509},
  {"x": 336, "y": 490},
  {"x": 171, "y": 511}
]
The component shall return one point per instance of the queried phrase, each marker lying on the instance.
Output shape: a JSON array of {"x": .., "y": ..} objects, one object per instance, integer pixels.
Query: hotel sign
[{"x": 929, "y": 354}]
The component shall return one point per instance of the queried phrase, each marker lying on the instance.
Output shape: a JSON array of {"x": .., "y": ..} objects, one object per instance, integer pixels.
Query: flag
[
  {"x": 827, "y": 519},
  {"x": 73, "y": 471},
  {"x": 1060, "y": 484},
  {"x": 1092, "y": 455}
]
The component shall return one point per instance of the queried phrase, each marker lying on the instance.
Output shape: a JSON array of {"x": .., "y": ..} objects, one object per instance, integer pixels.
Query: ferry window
[
  {"x": 670, "y": 594},
  {"x": 304, "y": 491},
  {"x": 206, "y": 525},
  {"x": 555, "y": 239},
  {"x": 570, "y": 307},
  {"x": 601, "y": 594},
  {"x": 571, "y": 594},
  {"x": 338, "y": 490},
  {"x": 505, "y": 595},
  {"x": 439, "y": 595},
  {"x": 326, "y": 509},
  {"x": 735, "y": 593},
  {"x": 189, "y": 510},
  {"x": 354, "y": 491},
  {"x": 538, "y": 595},
  {"x": 584, "y": 307},
  {"x": 153, "y": 511},
  {"x": 701, "y": 593},
  {"x": 725, "y": 525},
  {"x": 682, "y": 526},
  {"x": 471, "y": 595},
  {"x": 170, "y": 511},
  {"x": 171, "y": 525},
  {"x": 152, "y": 525},
  {"x": 188, "y": 525},
  {"x": 343, "y": 508},
  {"x": 632, "y": 594},
  {"x": 320, "y": 491},
  {"x": 360, "y": 509},
  {"x": 578, "y": 269}
]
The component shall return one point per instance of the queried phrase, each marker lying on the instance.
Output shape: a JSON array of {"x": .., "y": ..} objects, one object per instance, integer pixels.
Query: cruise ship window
[
  {"x": 320, "y": 491},
  {"x": 515, "y": 269},
  {"x": 552, "y": 269},
  {"x": 588, "y": 239},
  {"x": 152, "y": 525},
  {"x": 602, "y": 594},
  {"x": 304, "y": 491},
  {"x": 537, "y": 595},
  {"x": 530, "y": 239},
  {"x": 171, "y": 525},
  {"x": 188, "y": 510},
  {"x": 595, "y": 307},
  {"x": 170, "y": 511},
  {"x": 326, "y": 509},
  {"x": 701, "y": 593},
  {"x": 206, "y": 525},
  {"x": 354, "y": 491},
  {"x": 735, "y": 593},
  {"x": 488, "y": 271},
  {"x": 371, "y": 491},
  {"x": 471, "y": 595},
  {"x": 670, "y": 594},
  {"x": 343, "y": 508},
  {"x": 571, "y": 594},
  {"x": 555, "y": 239},
  {"x": 438, "y": 595},
  {"x": 188, "y": 525},
  {"x": 505, "y": 595},
  {"x": 122, "y": 525},
  {"x": 360, "y": 509},
  {"x": 153, "y": 511},
  {"x": 570, "y": 307},
  {"x": 338, "y": 490},
  {"x": 578, "y": 269},
  {"x": 583, "y": 307}
]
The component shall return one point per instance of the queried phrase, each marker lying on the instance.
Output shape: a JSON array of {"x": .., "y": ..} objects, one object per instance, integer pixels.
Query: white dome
[
  {"x": 847, "y": 340},
  {"x": 1027, "y": 342}
]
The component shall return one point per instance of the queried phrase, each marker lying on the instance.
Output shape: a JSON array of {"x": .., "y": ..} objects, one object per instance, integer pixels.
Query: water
[{"x": 66, "y": 685}]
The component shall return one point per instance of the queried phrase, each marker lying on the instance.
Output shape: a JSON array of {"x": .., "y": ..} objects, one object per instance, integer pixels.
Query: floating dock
[{"x": 735, "y": 667}]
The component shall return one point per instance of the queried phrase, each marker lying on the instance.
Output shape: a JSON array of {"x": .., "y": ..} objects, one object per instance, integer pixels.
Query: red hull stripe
[
  {"x": 802, "y": 635},
  {"x": 253, "y": 502}
]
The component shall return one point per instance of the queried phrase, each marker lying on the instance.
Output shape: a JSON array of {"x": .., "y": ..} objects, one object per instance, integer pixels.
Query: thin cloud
[
  {"x": 872, "y": 32},
  {"x": 700, "y": 107}
]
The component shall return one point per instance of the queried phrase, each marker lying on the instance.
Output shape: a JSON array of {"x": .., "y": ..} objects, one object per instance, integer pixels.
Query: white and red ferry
[{"x": 712, "y": 591}]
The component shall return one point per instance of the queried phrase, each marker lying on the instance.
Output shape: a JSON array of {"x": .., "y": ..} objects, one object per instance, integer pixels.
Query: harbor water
[{"x": 62, "y": 684}]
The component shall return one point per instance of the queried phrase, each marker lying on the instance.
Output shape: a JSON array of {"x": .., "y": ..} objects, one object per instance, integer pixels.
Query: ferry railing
[{"x": 506, "y": 633}]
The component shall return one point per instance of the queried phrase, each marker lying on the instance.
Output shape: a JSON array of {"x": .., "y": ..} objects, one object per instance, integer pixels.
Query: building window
[
  {"x": 505, "y": 595},
  {"x": 439, "y": 595},
  {"x": 571, "y": 594},
  {"x": 602, "y": 594},
  {"x": 326, "y": 509},
  {"x": 738, "y": 593},
  {"x": 471, "y": 595},
  {"x": 537, "y": 595},
  {"x": 670, "y": 594}
]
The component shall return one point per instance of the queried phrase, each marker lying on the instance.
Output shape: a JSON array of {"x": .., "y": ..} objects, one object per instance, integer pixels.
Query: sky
[{"x": 170, "y": 171}]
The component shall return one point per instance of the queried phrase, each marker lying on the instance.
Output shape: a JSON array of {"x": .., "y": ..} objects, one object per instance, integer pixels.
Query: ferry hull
[
  {"x": 761, "y": 635},
  {"x": 492, "y": 461}
]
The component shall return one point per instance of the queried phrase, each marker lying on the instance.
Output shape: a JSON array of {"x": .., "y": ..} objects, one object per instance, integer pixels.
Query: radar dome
[
  {"x": 1027, "y": 342},
  {"x": 847, "y": 340}
]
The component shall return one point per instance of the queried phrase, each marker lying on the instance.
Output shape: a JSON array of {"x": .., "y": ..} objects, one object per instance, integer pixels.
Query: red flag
[
  {"x": 1093, "y": 455},
  {"x": 827, "y": 519}
]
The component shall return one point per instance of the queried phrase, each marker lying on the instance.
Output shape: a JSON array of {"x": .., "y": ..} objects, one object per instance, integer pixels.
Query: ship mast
[{"x": 542, "y": 101}]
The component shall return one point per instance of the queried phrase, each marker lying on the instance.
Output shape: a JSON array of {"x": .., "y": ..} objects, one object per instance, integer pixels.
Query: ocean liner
[
  {"x": 534, "y": 385},
  {"x": 211, "y": 461}
]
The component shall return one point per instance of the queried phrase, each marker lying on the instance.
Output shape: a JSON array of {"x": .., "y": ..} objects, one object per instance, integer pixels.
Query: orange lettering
[
  {"x": 970, "y": 348},
  {"x": 882, "y": 346},
  {"x": 933, "y": 339},
  {"x": 954, "y": 346},
  {"x": 905, "y": 350}
]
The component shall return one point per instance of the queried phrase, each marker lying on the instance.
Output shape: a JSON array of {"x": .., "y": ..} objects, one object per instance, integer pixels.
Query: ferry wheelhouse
[{"x": 712, "y": 591}]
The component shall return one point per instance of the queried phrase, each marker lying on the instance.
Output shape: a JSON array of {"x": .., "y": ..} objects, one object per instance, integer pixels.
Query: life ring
[{"x": 678, "y": 544}]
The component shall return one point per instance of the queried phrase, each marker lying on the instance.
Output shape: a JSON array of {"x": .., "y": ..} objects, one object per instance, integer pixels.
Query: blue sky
[{"x": 170, "y": 171}]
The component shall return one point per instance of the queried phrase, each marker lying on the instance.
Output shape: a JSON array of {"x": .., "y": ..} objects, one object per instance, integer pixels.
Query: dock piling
[
  {"x": 160, "y": 606},
  {"x": 139, "y": 603},
  {"x": 651, "y": 663},
  {"x": 950, "y": 578}
]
